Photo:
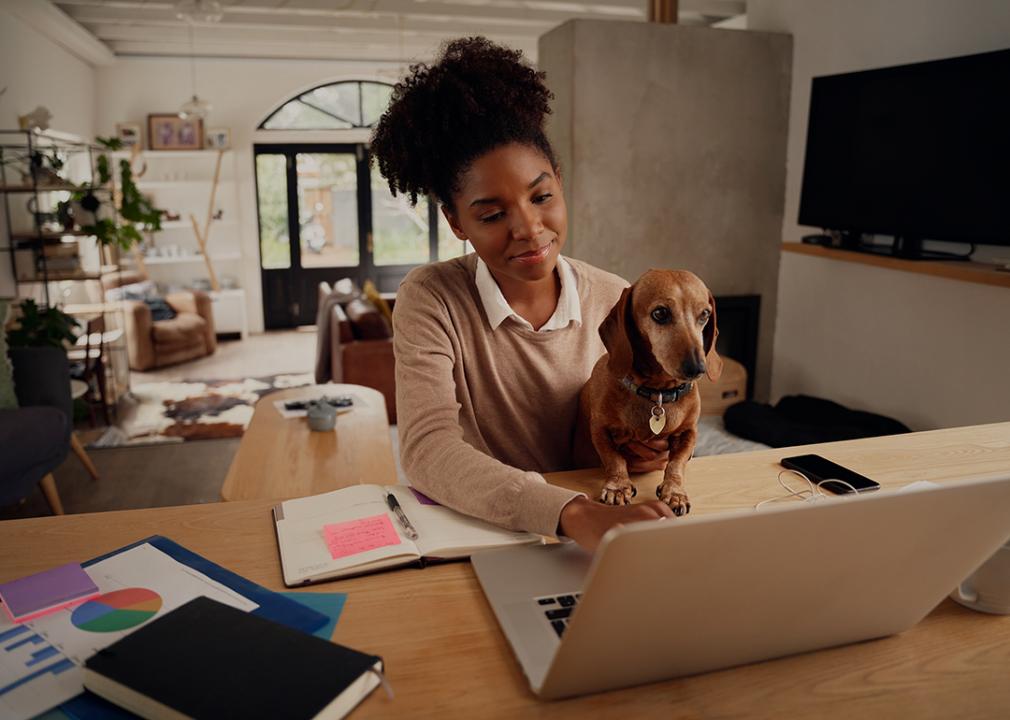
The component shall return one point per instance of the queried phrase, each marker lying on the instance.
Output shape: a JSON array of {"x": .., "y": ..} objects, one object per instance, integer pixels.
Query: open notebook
[{"x": 352, "y": 531}]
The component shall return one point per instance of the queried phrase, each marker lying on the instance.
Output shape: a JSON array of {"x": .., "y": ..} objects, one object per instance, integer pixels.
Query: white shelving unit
[{"x": 180, "y": 182}]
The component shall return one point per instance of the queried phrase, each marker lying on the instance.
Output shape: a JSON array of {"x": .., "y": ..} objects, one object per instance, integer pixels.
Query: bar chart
[{"x": 31, "y": 671}]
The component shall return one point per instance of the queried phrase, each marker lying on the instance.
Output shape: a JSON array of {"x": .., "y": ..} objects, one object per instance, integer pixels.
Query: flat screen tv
[{"x": 917, "y": 152}]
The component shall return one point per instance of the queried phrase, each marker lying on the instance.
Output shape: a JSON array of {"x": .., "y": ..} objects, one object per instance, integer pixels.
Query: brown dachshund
[{"x": 660, "y": 338}]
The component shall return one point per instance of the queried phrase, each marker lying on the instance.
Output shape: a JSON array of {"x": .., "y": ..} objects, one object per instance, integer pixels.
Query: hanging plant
[{"x": 134, "y": 208}]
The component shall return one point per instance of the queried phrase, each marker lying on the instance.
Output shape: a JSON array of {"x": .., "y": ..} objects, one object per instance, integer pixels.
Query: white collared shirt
[{"x": 498, "y": 310}]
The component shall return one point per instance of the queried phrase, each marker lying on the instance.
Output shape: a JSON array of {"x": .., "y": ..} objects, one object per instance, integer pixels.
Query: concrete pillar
[{"x": 672, "y": 143}]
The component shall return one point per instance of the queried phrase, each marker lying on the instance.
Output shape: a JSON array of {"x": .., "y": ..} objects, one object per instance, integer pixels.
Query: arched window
[{"x": 337, "y": 106}]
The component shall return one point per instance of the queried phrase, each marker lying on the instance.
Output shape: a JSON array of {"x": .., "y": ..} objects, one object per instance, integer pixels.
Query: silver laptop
[{"x": 664, "y": 599}]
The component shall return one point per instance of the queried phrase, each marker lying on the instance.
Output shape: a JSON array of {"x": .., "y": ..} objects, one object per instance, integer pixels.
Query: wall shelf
[
  {"x": 965, "y": 271},
  {"x": 170, "y": 153},
  {"x": 155, "y": 184},
  {"x": 50, "y": 235},
  {"x": 66, "y": 187},
  {"x": 182, "y": 259},
  {"x": 186, "y": 225}
]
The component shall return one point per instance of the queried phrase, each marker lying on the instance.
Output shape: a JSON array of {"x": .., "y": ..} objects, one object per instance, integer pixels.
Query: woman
[{"x": 493, "y": 348}]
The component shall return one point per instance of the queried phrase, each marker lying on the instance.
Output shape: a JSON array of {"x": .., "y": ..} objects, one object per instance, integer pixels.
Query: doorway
[{"x": 326, "y": 214}]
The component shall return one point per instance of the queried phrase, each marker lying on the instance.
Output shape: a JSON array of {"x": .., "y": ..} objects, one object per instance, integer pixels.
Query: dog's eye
[
  {"x": 661, "y": 315},
  {"x": 704, "y": 317}
]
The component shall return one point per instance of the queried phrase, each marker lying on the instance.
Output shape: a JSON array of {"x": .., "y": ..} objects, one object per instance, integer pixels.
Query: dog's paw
[
  {"x": 617, "y": 492},
  {"x": 673, "y": 495}
]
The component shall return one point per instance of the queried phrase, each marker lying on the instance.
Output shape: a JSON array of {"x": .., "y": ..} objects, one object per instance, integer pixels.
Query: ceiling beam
[
  {"x": 53, "y": 23},
  {"x": 714, "y": 8},
  {"x": 100, "y": 25},
  {"x": 299, "y": 14},
  {"x": 345, "y": 50},
  {"x": 206, "y": 39}
]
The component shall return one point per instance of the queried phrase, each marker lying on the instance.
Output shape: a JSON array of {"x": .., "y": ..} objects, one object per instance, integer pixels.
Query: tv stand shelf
[{"x": 973, "y": 272}]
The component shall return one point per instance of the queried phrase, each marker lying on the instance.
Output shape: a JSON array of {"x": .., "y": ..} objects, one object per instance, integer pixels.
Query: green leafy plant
[
  {"x": 134, "y": 208},
  {"x": 42, "y": 327}
]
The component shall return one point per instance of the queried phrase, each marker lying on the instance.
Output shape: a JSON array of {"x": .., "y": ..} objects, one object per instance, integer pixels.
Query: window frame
[{"x": 359, "y": 125}]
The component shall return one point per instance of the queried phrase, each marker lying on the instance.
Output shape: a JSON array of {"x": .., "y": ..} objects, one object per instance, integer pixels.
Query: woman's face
[{"x": 511, "y": 208}]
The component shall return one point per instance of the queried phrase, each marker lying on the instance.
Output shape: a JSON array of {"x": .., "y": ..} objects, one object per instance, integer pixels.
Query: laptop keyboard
[{"x": 558, "y": 608}]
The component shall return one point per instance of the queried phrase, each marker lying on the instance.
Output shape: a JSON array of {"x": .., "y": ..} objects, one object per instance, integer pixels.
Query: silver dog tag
[{"x": 658, "y": 420}]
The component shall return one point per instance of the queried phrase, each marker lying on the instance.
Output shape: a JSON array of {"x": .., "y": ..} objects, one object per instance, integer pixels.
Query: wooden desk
[
  {"x": 446, "y": 657},
  {"x": 280, "y": 458}
]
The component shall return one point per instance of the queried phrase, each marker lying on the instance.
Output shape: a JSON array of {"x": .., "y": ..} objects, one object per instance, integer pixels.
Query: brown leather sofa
[
  {"x": 153, "y": 344},
  {"x": 357, "y": 355}
]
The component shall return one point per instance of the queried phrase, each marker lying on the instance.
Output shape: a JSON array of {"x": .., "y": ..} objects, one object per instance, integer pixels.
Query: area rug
[{"x": 191, "y": 410}]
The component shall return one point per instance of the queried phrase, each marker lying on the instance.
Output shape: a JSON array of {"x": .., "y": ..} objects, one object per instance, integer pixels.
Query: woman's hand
[
  {"x": 646, "y": 456},
  {"x": 585, "y": 521}
]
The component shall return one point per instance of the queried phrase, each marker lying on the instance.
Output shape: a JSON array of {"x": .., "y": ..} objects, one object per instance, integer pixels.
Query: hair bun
[{"x": 476, "y": 96}]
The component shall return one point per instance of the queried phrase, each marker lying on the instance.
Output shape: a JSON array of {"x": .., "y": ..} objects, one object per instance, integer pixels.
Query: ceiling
[{"x": 352, "y": 29}]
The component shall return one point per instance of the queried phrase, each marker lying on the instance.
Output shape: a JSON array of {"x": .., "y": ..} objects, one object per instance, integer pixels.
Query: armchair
[
  {"x": 350, "y": 347},
  {"x": 35, "y": 438},
  {"x": 156, "y": 343}
]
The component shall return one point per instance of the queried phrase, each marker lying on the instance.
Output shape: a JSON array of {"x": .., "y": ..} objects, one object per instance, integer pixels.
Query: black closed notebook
[{"x": 208, "y": 660}]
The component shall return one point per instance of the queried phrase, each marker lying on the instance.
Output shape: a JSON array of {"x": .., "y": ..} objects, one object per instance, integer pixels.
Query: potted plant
[{"x": 42, "y": 327}]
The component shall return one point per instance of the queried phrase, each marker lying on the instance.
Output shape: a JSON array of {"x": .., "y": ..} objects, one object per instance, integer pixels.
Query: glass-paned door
[
  {"x": 325, "y": 215},
  {"x": 312, "y": 225},
  {"x": 328, "y": 209}
]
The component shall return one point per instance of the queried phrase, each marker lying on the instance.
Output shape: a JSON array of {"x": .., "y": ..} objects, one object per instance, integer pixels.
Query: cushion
[
  {"x": 182, "y": 330},
  {"x": 134, "y": 291},
  {"x": 372, "y": 293},
  {"x": 367, "y": 323},
  {"x": 7, "y": 397},
  {"x": 160, "y": 310}
]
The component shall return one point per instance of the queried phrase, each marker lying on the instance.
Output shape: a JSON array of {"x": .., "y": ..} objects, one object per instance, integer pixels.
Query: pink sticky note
[{"x": 357, "y": 536}]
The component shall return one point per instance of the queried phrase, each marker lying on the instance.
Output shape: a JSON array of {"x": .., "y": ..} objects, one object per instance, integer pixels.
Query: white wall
[
  {"x": 929, "y": 351},
  {"x": 37, "y": 71},
  {"x": 243, "y": 93}
]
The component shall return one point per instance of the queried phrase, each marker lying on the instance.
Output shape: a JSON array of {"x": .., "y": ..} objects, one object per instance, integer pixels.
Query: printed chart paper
[{"x": 41, "y": 660}]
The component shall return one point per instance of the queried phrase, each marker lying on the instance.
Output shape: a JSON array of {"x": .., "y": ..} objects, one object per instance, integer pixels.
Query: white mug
[{"x": 988, "y": 588}]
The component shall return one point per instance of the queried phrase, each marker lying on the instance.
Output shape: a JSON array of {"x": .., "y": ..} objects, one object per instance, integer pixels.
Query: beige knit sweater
[{"x": 482, "y": 413}]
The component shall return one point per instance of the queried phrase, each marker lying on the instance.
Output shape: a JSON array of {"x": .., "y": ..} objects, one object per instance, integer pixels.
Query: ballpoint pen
[{"x": 394, "y": 505}]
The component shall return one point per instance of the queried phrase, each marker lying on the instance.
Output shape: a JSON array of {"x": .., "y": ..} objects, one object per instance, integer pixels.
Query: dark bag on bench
[{"x": 803, "y": 420}]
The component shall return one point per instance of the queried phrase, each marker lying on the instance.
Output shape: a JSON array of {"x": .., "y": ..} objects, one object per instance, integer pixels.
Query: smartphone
[{"x": 819, "y": 469}]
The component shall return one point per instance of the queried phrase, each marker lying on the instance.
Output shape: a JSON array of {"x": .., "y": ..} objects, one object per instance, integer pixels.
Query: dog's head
[{"x": 663, "y": 327}]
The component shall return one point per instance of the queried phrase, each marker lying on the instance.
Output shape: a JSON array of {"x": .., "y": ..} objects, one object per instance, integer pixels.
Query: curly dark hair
[{"x": 476, "y": 97}]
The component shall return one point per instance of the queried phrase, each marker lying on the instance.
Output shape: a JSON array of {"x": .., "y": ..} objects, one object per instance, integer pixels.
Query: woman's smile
[{"x": 532, "y": 257}]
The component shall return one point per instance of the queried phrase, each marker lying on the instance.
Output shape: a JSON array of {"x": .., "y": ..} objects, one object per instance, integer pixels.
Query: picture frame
[
  {"x": 218, "y": 139},
  {"x": 128, "y": 134},
  {"x": 167, "y": 131}
]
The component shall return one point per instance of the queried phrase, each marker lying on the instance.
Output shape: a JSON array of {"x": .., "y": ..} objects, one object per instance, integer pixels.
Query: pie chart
[{"x": 117, "y": 610}]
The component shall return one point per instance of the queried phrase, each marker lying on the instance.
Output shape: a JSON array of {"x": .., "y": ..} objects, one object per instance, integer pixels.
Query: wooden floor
[
  {"x": 137, "y": 477},
  {"x": 270, "y": 353},
  {"x": 174, "y": 474}
]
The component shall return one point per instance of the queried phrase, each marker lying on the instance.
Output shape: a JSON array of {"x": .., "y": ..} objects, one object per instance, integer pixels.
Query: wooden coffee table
[{"x": 280, "y": 458}]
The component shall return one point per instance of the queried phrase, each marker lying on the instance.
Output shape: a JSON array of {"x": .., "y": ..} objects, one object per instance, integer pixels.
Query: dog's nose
[{"x": 693, "y": 367}]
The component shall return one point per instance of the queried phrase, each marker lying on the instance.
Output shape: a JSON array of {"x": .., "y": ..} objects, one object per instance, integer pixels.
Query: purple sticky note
[
  {"x": 424, "y": 499},
  {"x": 50, "y": 590}
]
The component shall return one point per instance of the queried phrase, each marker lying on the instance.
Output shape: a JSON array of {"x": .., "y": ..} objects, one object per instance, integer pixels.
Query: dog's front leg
[
  {"x": 617, "y": 487},
  {"x": 671, "y": 490}
]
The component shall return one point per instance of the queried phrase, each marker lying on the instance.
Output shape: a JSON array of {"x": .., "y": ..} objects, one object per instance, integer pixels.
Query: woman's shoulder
[
  {"x": 442, "y": 275},
  {"x": 445, "y": 283},
  {"x": 596, "y": 285}
]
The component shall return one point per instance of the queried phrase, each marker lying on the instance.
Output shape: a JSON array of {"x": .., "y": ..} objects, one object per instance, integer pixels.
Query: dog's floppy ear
[
  {"x": 713, "y": 363},
  {"x": 614, "y": 333}
]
